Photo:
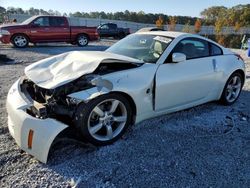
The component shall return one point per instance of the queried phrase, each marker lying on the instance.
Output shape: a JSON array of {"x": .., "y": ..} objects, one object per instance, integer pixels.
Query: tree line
[
  {"x": 140, "y": 16},
  {"x": 220, "y": 16}
]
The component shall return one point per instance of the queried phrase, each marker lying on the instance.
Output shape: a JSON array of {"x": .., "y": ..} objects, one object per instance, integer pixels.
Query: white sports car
[{"x": 100, "y": 94}]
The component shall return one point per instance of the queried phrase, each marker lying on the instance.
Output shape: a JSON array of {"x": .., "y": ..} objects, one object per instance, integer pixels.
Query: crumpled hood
[{"x": 55, "y": 71}]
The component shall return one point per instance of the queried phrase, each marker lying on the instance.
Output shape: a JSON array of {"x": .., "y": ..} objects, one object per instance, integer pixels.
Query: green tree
[
  {"x": 187, "y": 28},
  {"x": 172, "y": 23},
  {"x": 2, "y": 13},
  {"x": 197, "y": 26},
  {"x": 210, "y": 15}
]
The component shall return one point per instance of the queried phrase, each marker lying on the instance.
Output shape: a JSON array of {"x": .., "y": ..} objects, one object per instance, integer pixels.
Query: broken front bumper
[{"x": 32, "y": 134}]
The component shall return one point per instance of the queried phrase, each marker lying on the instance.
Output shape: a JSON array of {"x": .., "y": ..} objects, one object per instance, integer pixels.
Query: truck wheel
[
  {"x": 20, "y": 41},
  {"x": 121, "y": 35},
  {"x": 82, "y": 40}
]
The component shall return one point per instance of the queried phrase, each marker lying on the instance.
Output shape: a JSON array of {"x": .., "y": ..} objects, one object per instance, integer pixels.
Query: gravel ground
[{"x": 205, "y": 146}]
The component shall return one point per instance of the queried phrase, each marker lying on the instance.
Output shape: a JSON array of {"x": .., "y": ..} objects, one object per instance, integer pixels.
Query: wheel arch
[
  {"x": 131, "y": 102},
  {"x": 15, "y": 34},
  {"x": 82, "y": 34},
  {"x": 241, "y": 72}
]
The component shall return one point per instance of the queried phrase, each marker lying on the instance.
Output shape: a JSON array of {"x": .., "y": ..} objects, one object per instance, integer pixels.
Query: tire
[
  {"x": 20, "y": 41},
  {"x": 82, "y": 40},
  {"x": 232, "y": 89},
  {"x": 100, "y": 124},
  {"x": 121, "y": 35}
]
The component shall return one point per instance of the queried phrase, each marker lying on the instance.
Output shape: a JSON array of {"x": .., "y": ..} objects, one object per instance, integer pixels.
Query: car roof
[
  {"x": 145, "y": 29},
  {"x": 176, "y": 34},
  {"x": 172, "y": 34},
  {"x": 45, "y": 15}
]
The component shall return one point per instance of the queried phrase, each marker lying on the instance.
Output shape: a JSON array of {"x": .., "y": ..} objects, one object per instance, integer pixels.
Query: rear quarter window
[
  {"x": 57, "y": 21},
  {"x": 215, "y": 50}
]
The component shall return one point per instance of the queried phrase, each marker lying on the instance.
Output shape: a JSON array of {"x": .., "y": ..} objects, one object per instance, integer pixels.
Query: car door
[
  {"x": 112, "y": 29},
  {"x": 39, "y": 29},
  {"x": 59, "y": 29},
  {"x": 192, "y": 81},
  {"x": 104, "y": 30}
]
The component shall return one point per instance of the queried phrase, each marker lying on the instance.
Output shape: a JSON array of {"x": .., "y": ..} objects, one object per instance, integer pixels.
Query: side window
[
  {"x": 42, "y": 21},
  {"x": 215, "y": 50},
  {"x": 192, "y": 48},
  {"x": 57, "y": 22},
  {"x": 104, "y": 26},
  {"x": 112, "y": 26}
]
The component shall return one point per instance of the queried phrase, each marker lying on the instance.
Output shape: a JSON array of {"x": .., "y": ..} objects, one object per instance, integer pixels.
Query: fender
[{"x": 32, "y": 134}]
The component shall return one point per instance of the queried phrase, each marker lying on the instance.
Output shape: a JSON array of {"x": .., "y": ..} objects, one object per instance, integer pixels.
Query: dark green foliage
[
  {"x": 239, "y": 14},
  {"x": 230, "y": 41}
]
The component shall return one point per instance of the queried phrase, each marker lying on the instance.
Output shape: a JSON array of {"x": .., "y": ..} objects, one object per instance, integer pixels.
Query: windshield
[
  {"x": 25, "y": 22},
  {"x": 145, "y": 47}
]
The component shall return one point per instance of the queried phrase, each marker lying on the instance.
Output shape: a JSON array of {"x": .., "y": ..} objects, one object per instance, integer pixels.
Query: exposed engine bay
[{"x": 55, "y": 103}]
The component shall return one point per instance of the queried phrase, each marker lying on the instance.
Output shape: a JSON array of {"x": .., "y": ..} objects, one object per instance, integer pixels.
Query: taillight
[{"x": 239, "y": 56}]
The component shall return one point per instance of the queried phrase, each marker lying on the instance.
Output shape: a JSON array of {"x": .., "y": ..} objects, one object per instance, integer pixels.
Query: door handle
[
  {"x": 33, "y": 31},
  {"x": 215, "y": 66},
  {"x": 46, "y": 29}
]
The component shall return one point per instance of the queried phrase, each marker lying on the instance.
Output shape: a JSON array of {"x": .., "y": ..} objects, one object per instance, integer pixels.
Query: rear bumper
[
  {"x": 21, "y": 123},
  {"x": 5, "y": 39}
]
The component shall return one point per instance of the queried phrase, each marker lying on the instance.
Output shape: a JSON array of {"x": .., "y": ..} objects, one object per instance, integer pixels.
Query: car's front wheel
[
  {"x": 232, "y": 89},
  {"x": 20, "y": 41},
  {"x": 104, "y": 119}
]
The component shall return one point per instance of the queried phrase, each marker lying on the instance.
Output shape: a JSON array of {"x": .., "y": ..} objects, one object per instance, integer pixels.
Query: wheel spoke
[
  {"x": 235, "y": 80},
  {"x": 109, "y": 132},
  {"x": 98, "y": 111},
  {"x": 114, "y": 106},
  {"x": 233, "y": 94},
  {"x": 96, "y": 128},
  {"x": 120, "y": 118},
  {"x": 237, "y": 86},
  {"x": 112, "y": 115},
  {"x": 229, "y": 95}
]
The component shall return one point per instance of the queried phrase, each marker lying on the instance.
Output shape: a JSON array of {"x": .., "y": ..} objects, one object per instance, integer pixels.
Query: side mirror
[{"x": 178, "y": 57}]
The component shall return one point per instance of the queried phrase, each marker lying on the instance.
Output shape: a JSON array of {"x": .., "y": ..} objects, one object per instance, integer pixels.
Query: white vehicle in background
[{"x": 100, "y": 94}]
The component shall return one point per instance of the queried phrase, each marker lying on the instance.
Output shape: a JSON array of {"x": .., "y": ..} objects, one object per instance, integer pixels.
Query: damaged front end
[
  {"x": 43, "y": 103},
  {"x": 55, "y": 103}
]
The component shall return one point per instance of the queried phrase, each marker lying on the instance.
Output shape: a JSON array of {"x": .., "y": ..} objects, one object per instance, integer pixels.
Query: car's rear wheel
[
  {"x": 104, "y": 120},
  {"x": 20, "y": 41},
  {"x": 232, "y": 89},
  {"x": 82, "y": 40}
]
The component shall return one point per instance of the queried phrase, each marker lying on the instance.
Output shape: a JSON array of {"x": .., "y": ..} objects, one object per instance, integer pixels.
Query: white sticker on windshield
[
  {"x": 143, "y": 41},
  {"x": 163, "y": 39}
]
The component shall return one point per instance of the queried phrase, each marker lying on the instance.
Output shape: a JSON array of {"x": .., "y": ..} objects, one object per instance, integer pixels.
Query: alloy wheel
[
  {"x": 20, "y": 41},
  {"x": 233, "y": 88},
  {"x": 83, "y": 40},
  {"x": 107, "y": 119}
]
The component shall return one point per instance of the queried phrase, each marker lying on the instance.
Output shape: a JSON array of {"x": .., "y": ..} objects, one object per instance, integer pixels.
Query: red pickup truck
[{"x": 38, "y": 29}]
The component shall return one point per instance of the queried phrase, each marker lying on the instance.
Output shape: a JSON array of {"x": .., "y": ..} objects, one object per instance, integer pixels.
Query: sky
[{"x": 169, "y": 7}]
